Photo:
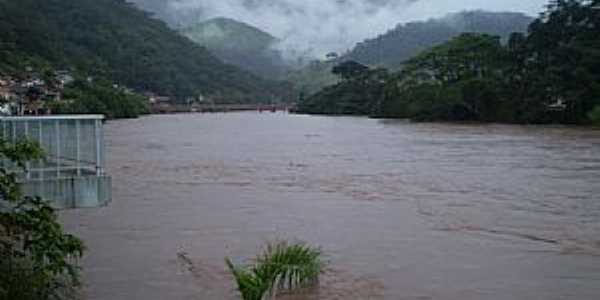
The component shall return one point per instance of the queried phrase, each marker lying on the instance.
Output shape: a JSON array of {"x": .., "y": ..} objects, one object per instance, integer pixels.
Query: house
[
  {"x": 4, "y": 89},
  {"x": 63, "y": 77},
  {"x": 331, "y": 56},
  {"x": 558, "y": 105},
  {"x": 156, "y": 99},
  {"x": 6, "y": 96}
]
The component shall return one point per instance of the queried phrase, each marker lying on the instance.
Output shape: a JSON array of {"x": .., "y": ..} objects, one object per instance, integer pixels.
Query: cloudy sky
[{"x": 320, "y": 26}]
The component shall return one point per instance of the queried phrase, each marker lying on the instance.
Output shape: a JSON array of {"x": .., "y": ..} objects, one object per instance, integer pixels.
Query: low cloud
[{"x": 315, "y": 27}]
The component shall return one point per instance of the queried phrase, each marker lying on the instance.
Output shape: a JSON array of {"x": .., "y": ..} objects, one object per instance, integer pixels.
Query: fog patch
[{"x": 312, "y": 28}]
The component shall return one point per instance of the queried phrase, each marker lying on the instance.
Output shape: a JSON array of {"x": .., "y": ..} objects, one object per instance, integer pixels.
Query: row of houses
[{"x": 32, "y": 94}]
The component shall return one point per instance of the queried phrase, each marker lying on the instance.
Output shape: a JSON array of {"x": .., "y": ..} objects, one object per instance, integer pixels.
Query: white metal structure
[{"x": 72, "y": 173}]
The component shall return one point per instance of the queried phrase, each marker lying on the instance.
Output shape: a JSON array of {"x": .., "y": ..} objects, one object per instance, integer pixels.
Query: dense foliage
[
  {"x": 36, "y": 255},
  {"x": 551, "y": 74},
  {"x": 282, "y": 266},
  {"x": 356, "y": 94},
  {"x": 82, "y": 97},
  {"x": 113, "y": 39},
  {"x": 239, "y": 44},
  {"x": 458, "y": 80}
]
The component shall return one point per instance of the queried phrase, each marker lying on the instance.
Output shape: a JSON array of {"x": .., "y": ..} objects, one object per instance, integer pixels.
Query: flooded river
[{"x": 400, "y": 210}]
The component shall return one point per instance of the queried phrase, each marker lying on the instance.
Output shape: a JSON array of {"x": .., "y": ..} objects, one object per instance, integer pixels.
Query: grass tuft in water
[{"x": 281, "y": 267}]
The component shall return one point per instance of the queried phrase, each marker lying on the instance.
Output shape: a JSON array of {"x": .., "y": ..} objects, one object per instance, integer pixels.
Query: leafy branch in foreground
[
  {"x": 281, "y": 266},
  {"x": 37, "y": 255}
]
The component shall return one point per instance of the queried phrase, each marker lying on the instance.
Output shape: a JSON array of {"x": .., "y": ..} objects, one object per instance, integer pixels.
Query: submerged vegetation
[
  {"x": 37, "y": 256},
  {"x": 281, "y": 267},
  {"x": 550, "y": 75}
]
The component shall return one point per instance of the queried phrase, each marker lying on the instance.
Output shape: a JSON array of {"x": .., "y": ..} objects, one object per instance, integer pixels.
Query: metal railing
[{"x": 73, "y": 144}]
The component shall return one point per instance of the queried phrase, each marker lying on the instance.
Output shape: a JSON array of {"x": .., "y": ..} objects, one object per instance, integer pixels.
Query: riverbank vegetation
[
  {"x": 37, "y": 256},
  {"x": 100, "y": 97},
  {"x": 549, "y": 75},
  {"x": 281, "y": 267}
]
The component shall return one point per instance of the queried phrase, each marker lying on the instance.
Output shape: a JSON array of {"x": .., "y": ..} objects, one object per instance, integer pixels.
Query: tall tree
[{"x": 562, "y": 58}]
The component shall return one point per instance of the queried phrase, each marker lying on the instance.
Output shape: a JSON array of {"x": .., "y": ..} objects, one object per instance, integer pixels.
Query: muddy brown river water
[{"x": 401, "y": 210}]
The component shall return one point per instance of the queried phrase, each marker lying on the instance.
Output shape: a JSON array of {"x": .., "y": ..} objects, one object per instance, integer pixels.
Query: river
[{"x": 400, "y": 210}]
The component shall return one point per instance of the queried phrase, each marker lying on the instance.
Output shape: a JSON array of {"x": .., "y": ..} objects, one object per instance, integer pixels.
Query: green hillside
[
  {"x": 113, "y": 39},
  {"x": 239, "y": 44},
  {"x": 406, "y": 40}
]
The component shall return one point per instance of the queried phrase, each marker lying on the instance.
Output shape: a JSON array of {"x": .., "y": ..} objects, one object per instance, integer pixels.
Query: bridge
[{"x": 166, "y": 108}]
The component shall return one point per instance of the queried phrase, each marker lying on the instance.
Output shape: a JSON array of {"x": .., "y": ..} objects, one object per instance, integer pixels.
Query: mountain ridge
[
  {"x": 116, "y": 40},
  {"x": 239, "y": 44},
  {"x": 408, "y": 39}
]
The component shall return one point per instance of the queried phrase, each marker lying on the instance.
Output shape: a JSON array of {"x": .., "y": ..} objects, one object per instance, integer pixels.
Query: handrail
[{"x": 52, "y": 117}]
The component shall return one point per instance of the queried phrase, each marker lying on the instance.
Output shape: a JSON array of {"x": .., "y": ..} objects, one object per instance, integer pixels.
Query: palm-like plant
[{"x": 282, "y": 266}]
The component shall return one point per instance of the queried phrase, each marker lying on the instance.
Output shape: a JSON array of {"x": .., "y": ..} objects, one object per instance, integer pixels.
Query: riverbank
[{"x": 169, "y": 108}]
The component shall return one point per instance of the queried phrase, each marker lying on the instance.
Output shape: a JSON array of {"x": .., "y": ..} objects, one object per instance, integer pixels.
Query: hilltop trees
[
  {"x": 394, "y": 47},
  {"x": 357, "y": 94},
  {"x": 100, "y": 97},
  {"x": 458, "y": 80},
  {"x": 349, "y": 70}
]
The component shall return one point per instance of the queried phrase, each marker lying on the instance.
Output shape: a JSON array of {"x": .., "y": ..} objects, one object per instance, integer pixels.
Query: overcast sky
[{"x": 320, "y": 26}]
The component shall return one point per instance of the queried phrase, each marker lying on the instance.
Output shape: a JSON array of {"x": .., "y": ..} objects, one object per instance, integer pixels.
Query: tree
[
  {"x": 358, "y": 94},
  {"x": 458, "y": 80},
  {"x": 37, "y": 255},
  {"x": 468, "y": 56},
  {"x": 561, "y": 59},
  {"x": 349, "y": 70}
]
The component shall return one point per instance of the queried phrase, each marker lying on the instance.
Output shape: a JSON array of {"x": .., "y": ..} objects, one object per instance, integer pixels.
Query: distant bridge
[{"x": 167, "y": 108}]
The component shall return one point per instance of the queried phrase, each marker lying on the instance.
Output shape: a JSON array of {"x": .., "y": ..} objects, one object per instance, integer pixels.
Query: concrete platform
[{"x": 75, "y": 192}]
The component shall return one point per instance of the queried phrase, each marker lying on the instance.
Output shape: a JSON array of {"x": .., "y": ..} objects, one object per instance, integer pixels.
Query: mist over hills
[
  {"x": 114, "y": 39},
  {"x": 239, "y": 44},
  {"x": 406, "y": 40},
  {"x": 309, "y": 29},
  {"x": 391, "y": 49}
]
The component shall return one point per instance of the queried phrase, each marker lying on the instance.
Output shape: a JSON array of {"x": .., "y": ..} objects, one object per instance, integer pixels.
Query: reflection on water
[{"x": 403, "y": 210}]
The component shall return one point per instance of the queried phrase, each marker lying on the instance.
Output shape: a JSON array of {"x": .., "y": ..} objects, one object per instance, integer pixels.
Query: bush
[
  {"x": 281, "y": 266},
  {"x": 37, "y": 256},
  {"x": 100, "y": 98}
]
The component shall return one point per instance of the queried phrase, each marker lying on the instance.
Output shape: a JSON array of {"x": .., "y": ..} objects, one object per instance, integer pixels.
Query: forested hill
[
  {"x": 407, "y": 40},
  {"x": 239, "y": 44},
  {"x": 551, "y": 74},
  {"x": 113, "y": 39}
]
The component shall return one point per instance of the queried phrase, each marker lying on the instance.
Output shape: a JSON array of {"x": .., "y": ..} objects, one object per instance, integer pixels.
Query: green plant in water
[{"x": 281, "y": 266}]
